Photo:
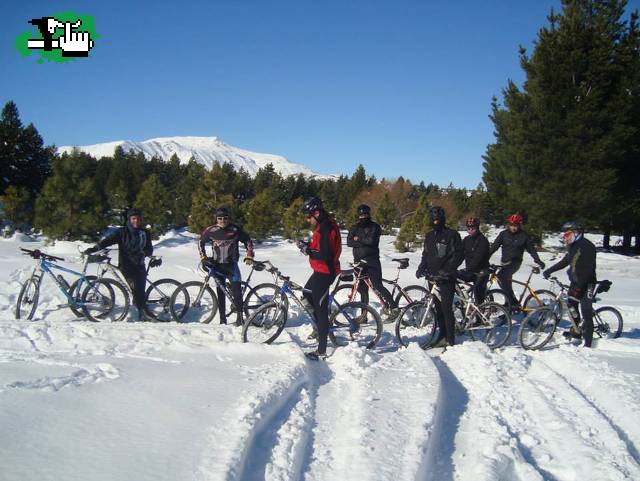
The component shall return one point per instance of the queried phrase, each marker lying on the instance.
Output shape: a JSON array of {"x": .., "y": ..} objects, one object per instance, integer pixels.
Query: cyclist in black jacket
[
  {"x": 364, "y": 237},
  {"x": 581, "y": 260},
  {"x": 476, "y": 258},
  {"x": 441, "y": 256},
  {"x": 134, "y": 244},
  {"x": 513, "y": 241}
]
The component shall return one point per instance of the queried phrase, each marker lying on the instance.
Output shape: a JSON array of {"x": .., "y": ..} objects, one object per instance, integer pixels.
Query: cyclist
[
  {"x": 442, "y": 254},
  {"x": 324, "y": 257},
  {"x": 513, "y": 240},
  {"x": 476, "y": 258},
  {"x": 364, "y": 237},
  {"x": 581, "y": 260},
  {"x": 134, "y": 244},
  {"x": 224, "y": 237}
]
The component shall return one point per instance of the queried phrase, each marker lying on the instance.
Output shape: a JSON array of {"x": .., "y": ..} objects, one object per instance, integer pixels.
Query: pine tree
[
  {"x": 264, "y": 214},
  {"x": 155, "y": 202},
  {"x": 386, "y": 214},
  {"x": 294, "y": 224},
  {"x": 18, "y": 205}
]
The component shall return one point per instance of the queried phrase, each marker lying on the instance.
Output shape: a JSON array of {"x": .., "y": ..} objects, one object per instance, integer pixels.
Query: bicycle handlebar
[{"x": 37, "y": 254}]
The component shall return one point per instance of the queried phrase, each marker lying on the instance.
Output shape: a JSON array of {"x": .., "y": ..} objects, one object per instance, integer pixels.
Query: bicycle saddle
[{"x": 403, "y": 262}]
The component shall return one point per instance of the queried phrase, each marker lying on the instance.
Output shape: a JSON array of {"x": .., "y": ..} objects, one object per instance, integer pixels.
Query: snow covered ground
[{"x": 151, "y": 401}]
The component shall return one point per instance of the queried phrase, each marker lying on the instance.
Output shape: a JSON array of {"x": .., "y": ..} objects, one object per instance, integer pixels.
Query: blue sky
[{"x": 403, "y": 87}]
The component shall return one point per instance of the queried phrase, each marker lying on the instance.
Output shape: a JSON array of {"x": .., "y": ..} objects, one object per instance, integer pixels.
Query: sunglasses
[
  {"x": 472, "y": 227},
  {"x": 226, "y": 217}
]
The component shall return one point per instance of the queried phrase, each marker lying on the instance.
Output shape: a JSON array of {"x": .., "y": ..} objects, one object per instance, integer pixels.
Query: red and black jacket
[{"x": 325, "y": 247}]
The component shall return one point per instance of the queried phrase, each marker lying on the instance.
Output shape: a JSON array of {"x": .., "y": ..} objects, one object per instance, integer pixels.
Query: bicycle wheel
[
  {"x": 158, "y": 296},
  {"x": 105, "y": 300},
  {"x": 259, "y": 296},
  {"x": 193, "y": 301},
  {"x": 28, "y": 299},
  {"x": 539, "y": 298},
  {"x": 499, "y": 297},
  {"x": 417, "y": 323},
  {"x": 339, "y": 298},
  {"x": 77, "y": 294},
  {"x": 491, "y": 324},
  {"x": 537, "y": 328},
  {"x": 607, "y": 322},
  {"x": 410, "y": 294},
  {"x": 357, "y": 322},
  {"x": 266, "y": 323}
]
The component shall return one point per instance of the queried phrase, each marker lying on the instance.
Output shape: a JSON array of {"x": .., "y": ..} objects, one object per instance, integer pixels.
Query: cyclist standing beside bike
[
  {"x": 364, "y": 238},
  {"x": 324, "y": 257},
  {"x": 581, "y": 260},
  {"x": 513, "y": 240},
  {"x": 134, "y": 244},
  {"x": 441, "y": 256},
  {"x": 224, "y": 238},
  {"x": 476, "y": 259}
]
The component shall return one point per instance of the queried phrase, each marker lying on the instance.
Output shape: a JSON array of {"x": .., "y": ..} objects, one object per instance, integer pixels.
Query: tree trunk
[
  {"x": 626, "y": 242},
  {"x": 606, "y": 239}
]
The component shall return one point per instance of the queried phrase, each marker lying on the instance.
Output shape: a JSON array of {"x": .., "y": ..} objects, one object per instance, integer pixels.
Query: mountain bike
[
  {"x": 528, "y": 300},
  {"x": 349, "y": 293},
  {"x": 158, "y": 293},
  {"x": 195, "y": 301},
  {"x": 96, "y": 299},
  {"x": 349, "y": 322},
  {"x": 539, "y": 325}
]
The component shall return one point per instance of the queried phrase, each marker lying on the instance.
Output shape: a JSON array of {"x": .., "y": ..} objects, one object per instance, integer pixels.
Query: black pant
[
  {"x": 444, "y": 311},
  {"x": 319, "y": 285},
  {"x": 479, "y": 280},
  {"x": 374, "y": 272},
  {"x": 504, "y": 278},
  {"x": 582, "y": 296},
  {"x": 136, "y": 277},
  {"x": 224, "y": 272}
]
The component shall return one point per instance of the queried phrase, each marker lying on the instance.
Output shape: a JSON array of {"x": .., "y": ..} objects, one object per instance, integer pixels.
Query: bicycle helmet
[
  {"x": 473, "y": 222},
  {"x": 514, "y": 219},
  {"x": 364, "y": 209},
  {"x": 572, "y": 225},
  {"x": 436, "y": 213},
  {"x": 134, "y": 211},
  {"x": 222, "y": 212},
  {"x": 311, "y": 205}
]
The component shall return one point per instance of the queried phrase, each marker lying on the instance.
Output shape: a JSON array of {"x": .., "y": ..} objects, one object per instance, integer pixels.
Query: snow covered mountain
[{"x": 205, "y": 150}]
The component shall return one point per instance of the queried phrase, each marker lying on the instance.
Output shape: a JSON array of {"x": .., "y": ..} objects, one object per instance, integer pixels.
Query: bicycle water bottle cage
[{"x": 403, "y": 262}]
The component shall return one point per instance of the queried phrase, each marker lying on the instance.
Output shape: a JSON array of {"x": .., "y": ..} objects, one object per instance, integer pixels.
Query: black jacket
[
  {"x": 366, "y": 247},
  {"x": 224, "y": 243},
  {"x": 581, "y": 259},
  {"x": 133, "y": 246},
  {"x": 442, "y": 253},
  {"x": 513, "y": 246},
  {"x": 476, "y": 252}
]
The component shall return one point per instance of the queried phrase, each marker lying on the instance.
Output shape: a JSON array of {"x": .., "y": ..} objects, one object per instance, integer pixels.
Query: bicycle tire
[
  {"x": 410, "y": 294},
  {"x": 416, "y": 324},
  {"x": 182, "y": 308},
  {"x": 78, "y": 310},
  {"x": 539, "y": 298},
  {"x": 158, "y": 300},
  {"x": 266, "y": 323},
  {"x": 340, "y": 298},
  {"x": 495, "y": 324},
  {"x": 105, "y": 300},
  {"x": 28, "y": 299},
  {"x": 537, "y": 328},
  {"x": 259, "y": 296},
  {"x": 498, "y": 296},
  {"x": 605, "y": 326},
  {"x": 366, "y": 333},
  {"x": 230, "y": 306}
]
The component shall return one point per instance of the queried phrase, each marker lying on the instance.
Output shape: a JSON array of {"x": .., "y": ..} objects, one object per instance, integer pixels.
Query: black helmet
[
  {"x": 222, "y": 212},
  {"x": 364, "y": 209},
  {"x": 436, "y": 213},
  {"x": 134, "y": 211},
  {"x": 311, "y": 205},
  {"x": 572, "y": 225}
]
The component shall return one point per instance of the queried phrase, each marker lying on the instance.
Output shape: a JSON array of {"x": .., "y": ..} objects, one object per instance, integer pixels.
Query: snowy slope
[
  {"x": 205, "y": 150},
  {"x": 168, "y": 401}
]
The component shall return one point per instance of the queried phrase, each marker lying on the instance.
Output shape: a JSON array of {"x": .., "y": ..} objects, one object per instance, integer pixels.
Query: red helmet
[
  {"x": 514, "y": 219},
  {"x": 473, "y": 222}
]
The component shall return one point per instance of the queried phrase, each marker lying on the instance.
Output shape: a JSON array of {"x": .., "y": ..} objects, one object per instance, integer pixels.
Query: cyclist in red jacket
[{"x": 324, "y": 257}]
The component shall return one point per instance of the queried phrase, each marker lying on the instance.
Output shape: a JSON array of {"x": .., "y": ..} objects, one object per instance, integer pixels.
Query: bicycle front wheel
[
  {"x": 410, "y": 294},
  {"x": 266, "y": 323},
  {"x": 417, "y": 324},
  {"x": 193, "y": 301},
  {"x": 105, "y": 300},
  {"x": 158, "y": 296},
  {"x": 355, "y": 322},
  {"x": 537, "y": 328},
  {"x": 607, "y": 322},
  {"x": 539, "y": 298},
  {"x": 75, "y": 291},
  {"x": 499, "y": 297},
  {"x": 28, "y": 299},
  {"x": 491, "y": 324},
  {"x": 259, "y": 296}
]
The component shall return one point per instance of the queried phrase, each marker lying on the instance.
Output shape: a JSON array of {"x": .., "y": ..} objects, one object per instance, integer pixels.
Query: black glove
[
  {"x": 155, "y": 262},
  {"x": 303, "y": 246},
  {"x": 546, "y": 274},
  {"x": 207, "y": 262},
  {"x": 91, "y": 250},
  {"x": 540, "y": 263},
  {"x": 420, "y": 273}
]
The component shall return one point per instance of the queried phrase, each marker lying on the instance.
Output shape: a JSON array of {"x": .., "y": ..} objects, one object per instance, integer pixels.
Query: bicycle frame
[
  {"x": 493, "y": 279},
  {"x": 48, "y": 267}
]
